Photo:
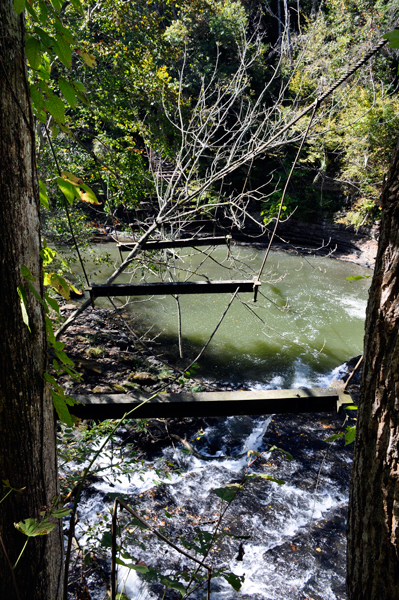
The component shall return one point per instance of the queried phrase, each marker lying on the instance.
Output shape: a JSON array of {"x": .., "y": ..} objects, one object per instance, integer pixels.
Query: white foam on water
[
  {"x": 354, "y": 307},
  {"x": 276, "y": 383},
  {"x": 254, "y": 440},
  {"x": 334, "y": 375},
  {"x": 131, "y": 584}
]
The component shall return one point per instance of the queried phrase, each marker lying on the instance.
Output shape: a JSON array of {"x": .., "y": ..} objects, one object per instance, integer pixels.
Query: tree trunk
[
  {"x": 27, "y": 426},
  {"x": 373, "y": 529}
]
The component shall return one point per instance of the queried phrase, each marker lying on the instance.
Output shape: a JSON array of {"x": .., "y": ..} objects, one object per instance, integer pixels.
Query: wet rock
[
  {"x": 144, "y": 378},
  {"x": 88, "y": 365},
  {"x": 129, "y": 360},
  {"x": 130, "y": 385},
  {"x": 118, "y": 388},
  {"x": 165, "y": 375},
  {"x": 68, "y": 307}
]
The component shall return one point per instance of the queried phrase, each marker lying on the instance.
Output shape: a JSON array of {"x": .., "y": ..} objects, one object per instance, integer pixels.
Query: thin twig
[
  {"x": 66, "y": 207},
  {"x": 154, "y": 531},
  {"x": 11, "y": 567},
  {"x": 214, "y": 331},
  {"x": 359, "y": 362},
  {"x": 316, "y": 106}
]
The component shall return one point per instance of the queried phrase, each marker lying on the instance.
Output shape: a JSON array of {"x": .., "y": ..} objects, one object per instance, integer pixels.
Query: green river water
[{"x": 312, "y": 318}]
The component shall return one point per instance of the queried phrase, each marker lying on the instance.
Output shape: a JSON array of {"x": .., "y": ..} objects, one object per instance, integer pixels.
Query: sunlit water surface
[
  {"x": 308, "y": 318},
  {"x": 312, "y": 322}
]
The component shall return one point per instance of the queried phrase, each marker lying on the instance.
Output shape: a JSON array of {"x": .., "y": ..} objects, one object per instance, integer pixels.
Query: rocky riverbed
[{"x": 110, "y": 359}]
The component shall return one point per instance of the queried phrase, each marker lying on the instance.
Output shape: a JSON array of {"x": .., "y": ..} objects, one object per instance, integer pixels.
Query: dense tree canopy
[{"x": 120, "y": 88}]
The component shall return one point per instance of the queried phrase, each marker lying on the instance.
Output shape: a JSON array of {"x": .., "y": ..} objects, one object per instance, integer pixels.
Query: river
[
  {"x": 308, "y": 318},
  {"x": 312, "y": 322}
]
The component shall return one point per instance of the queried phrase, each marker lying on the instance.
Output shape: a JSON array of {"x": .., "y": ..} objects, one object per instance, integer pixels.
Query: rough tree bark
[
  {"x": 373, "y": 529},
  {"x": 27, "y": 427}
]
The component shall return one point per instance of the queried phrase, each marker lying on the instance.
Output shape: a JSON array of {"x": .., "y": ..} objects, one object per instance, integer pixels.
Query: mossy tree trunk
[
  {"x": 373, "y": 530},
  {"x": 27, "y": 427}
]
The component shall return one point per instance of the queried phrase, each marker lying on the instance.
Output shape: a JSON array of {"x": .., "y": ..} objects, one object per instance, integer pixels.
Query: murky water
[{"x": 308, "y": 318}]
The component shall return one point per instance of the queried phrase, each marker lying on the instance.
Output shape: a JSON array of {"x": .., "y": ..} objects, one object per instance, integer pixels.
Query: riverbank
[
  {"x": 110, "y": 357},
  {"x": 324, "y": 238}
]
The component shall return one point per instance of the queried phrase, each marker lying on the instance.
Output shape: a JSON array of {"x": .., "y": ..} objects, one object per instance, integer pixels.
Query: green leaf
[
  {"x": 19, "y": 6},
  {"x": 138, "y": 523},
  {"x": 65, "y": 32},
  {"x": 286, "y": 454},
  {"x": 229, "y": 492},
  {"x": 88, "y": 195},
  {"x": 264, "y": 476},
  {"x": 334, "y": 437},
  {"x": 173, "y": 584},
  {"x": 56, "y": 108},
  {"x": 22, "y": 295},
  {"x": 45, "y": 68},
  {"x": 63, "y": 50},
  {"x": 235, "y": 581},
  {"x": 43, "y": 12},
  {"x": 77, "y": 5},
  {"x": 71, "y": 178},
  {"x": 26, "y": 273},
  {"x": 357, "y": 277},
  {"x": 138, "y": 568},
  {"x": 32, "y": 11},
  {"x": 37, "y": 296},
  {"x": 58, "y": 283},
  {"x": 106, "y": 540},
  {"x": 350, "y": 435},
  {"x": 57, "y": 4},
  {"x": 393, "y": 37},
  {"x": 79, "y": 86},
  {"x": 47, "y": 41},
  {"x": 50, "y": 379},
  {"x": 47, "y": 255},
  {"x": 44, "y": 199},
  {"x": 67, "y": 189},
  {"x": 89, "y": 59},
  {"x": 67, "y": 91},
  {"x": 64, "y": 358},
  {"x": 72, "y": 287},
  {"x": 33, "y": 54},
  {"x": 50, "y": 333},
  {"x": 59, "y": 401},
  {"x": 37, "y": 98},
  {"x": 32, "y": 528},
  {"x": 60, "y": 513},
  {"x": 52, "y": 302},
  {"x": 82, "y": 96}
]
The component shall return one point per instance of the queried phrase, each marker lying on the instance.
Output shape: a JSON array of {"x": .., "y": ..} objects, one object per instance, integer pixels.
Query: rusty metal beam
[
  {"x": 211, "y": 404},
  {"x": 183, "y": 243},
  {"x": 175, "y": 287}
]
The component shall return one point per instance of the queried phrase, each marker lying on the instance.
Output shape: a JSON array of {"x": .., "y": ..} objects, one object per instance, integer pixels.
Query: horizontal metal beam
[
  {"x": 210, "y": 404},
  {"x": 184, "y": 243},
  {"x": 175, "y": 287}
]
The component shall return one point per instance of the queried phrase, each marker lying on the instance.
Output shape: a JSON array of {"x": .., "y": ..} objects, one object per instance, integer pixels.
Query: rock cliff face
[
  {"x": 323, "y": 238},
  {"x": 344, "y": 243}
]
